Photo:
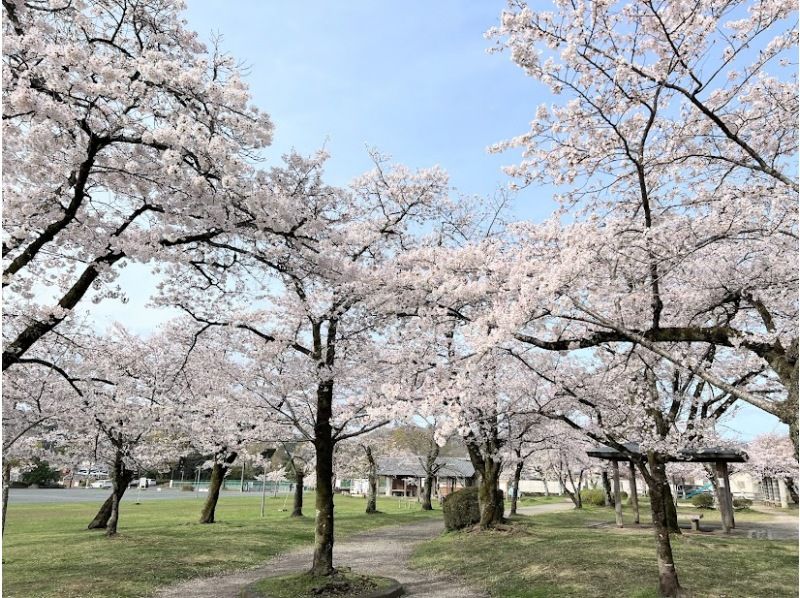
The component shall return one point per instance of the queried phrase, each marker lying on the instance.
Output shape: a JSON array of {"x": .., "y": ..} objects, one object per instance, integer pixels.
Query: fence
[{"x": 249, "y": 486}]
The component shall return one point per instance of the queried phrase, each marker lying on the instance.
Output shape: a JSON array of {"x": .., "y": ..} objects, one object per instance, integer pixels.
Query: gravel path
[{"x": 383, "y": 551}]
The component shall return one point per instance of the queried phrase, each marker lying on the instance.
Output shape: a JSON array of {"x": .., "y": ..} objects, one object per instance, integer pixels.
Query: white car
[{"x": 102, "y": 484}]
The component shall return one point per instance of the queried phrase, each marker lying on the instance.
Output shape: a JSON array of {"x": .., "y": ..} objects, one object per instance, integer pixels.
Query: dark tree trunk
[
  {"x": 297, "y": 511},
  {"x": 372, "y": 480},
  {"x": 6, "y": 485},
  {"x": 607, "y": 498},
  {"x": 668, "y": 584},
  {"x": 515, "y": 496},
  {"x": 489, "y": 498},
  {"x": 633, "y": 499},
  {"x": 426, "y": 493},
  {"x": 670, "y": 513},
  {"x": 323, "y": 442},
  {"x": 121, "y": 476},
  {"x": 100, "y": 520},
  {"x": 218, "y": 472},
  {"x": 786, "y": 365},
  {"x": 430, "y": 475}
]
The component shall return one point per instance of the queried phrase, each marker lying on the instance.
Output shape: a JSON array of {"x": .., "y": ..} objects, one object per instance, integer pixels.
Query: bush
[
  {"x": 703, "y": 501},
  {"x": 461, "y": 509},
  {"x": 40, "y": 474},
  {"x": 593, "y": 496},
  {"x": 187, "y": 488},
  {"x": 742, "y": 503}
]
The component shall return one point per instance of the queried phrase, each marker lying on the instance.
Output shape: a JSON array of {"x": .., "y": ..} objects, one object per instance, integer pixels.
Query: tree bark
[
  {"x": 515, "y": 496},
  {"x": 489, "y": 496},
  {"x": 100, "y": 520},
  {"x": 668, "y": 584},
  {"x": 670, "y": 513},
  {"x": 491, "y": 504},
  {"x": 372, "y": 481},
  {"x": 617, "y": 499},
  {"x": 218, "y": 472},
  {"x": 323, "y": 442},
  {"x": 6, "y": 485},
  {"x": 634, "y": 496},
  {"x": 297, "y": 511},
  {"x": 121, "y": 476},
  {"x": 430, "y": 474},
  {"x": 607, "y": 498}
]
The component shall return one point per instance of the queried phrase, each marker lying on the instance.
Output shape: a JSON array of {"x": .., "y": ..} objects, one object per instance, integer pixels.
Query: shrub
[
  {"x": 593, "y": 496},
  {"x": 40, "y": 474},
  {"x": 461, "y": 509},
  {"x": 742, "y": 503},
  {"x": 187, "y": 488},
  {"x": 703, "y": 501}
]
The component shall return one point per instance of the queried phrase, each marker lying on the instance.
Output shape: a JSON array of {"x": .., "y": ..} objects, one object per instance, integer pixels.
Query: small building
[{"x": 405, "y": 476}]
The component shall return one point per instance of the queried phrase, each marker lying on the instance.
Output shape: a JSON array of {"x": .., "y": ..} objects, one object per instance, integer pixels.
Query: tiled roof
[{"x": 411, "y": 466}]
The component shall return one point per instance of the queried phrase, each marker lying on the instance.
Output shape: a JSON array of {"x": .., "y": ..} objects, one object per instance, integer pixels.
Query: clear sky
[{"x": 412, "y": 79}]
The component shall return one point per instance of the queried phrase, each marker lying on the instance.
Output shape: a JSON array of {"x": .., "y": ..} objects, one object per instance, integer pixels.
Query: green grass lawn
[
  {"x": 48, "y": 551},
  {"x": 556, "y": 555},
  {"x": 532, "y": 501}
]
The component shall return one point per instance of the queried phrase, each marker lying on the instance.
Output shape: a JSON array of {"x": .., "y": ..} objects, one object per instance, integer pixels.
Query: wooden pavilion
[{"x": 719, "y": 456}]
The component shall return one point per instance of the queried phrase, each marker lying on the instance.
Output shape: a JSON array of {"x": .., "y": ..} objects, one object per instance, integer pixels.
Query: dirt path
[{"x": 383, "y": 551}]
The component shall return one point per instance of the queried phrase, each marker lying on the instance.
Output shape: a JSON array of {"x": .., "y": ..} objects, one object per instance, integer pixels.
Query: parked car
[{"x": 102, "y": 484}]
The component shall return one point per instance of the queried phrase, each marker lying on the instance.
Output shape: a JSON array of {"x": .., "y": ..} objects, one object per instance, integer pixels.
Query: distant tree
[{"x": 40, "y": 473}]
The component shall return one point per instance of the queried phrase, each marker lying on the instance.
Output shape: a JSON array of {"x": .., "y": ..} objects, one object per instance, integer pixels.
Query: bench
[{"x": 695, "y": 519}]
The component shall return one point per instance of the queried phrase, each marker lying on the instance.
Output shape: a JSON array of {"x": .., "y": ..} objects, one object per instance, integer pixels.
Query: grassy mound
[{"x": 302, "y": 585}]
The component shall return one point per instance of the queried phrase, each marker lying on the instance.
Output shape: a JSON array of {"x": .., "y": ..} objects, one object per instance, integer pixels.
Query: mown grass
[
  {"x": 532, "y": 501},
  {"x": 48, "y": 552},
  {"x": 557, "y": 555}
]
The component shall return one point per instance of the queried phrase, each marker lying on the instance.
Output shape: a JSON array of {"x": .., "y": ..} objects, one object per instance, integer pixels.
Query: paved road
[{"x": 73, "y": 495}]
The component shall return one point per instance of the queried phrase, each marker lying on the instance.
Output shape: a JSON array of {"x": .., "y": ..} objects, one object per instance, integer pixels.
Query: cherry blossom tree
[
  {"x": 673, "y": 140},
  {"x": 306, "y": 317},
  {"x": 123, "y": 138},
  {"x": 126, "y": 415},
  {"x": 564, "y": 456},
  {"x": 631, "y": 396}
]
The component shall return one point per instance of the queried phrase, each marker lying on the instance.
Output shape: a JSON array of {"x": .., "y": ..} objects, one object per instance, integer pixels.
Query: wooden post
[
  {"x": 617, "y": 500},
  {"x": 634, "y": 494},
  {"x": 725, "y": 500}
]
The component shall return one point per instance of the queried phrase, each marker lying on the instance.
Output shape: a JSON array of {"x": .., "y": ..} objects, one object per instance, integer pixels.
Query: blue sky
[{"x": 412, "y": 79}]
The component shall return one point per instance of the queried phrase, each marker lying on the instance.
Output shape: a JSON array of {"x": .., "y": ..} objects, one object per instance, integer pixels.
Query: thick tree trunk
[
  {"x": 633, "y": 499},
  {"x": 670, "y": 513},
  {"x": 786, "y": 366},
  {"x": 426, "y": 493},
  {"x": 100, "y": 520},
  {"x": 515, "y": 496},
  {"x": 323, "y": 441},
  {"x": 372, "y": 481},
  {"x": 430, "y": 475},
  {"x": 491, "y": 504},
  {"x": 608, "y": 499},
  {"x": 218, "y": 472},
  {"x": 668, "y": 584},
  {"x": 6, "y": 485},
  {"x": 546, "y": 490},
  {"x": 121, "y": 476},
  {"x": 617, "y": 499},
  {"x": 297, "y": 511}
]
